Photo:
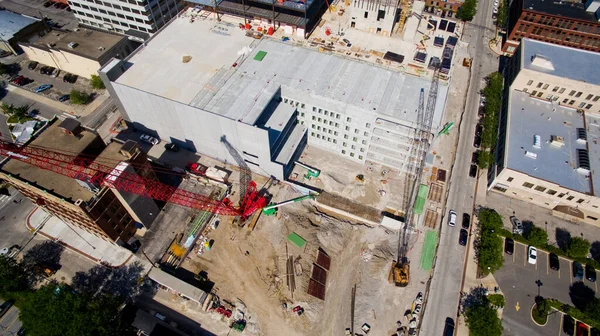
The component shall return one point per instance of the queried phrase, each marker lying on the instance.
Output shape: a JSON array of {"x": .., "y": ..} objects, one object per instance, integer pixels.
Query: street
[
  {"x": 43, "y": 111},
  {"x": 450, "y": 258},
  {"x": 9, "y": 322}
]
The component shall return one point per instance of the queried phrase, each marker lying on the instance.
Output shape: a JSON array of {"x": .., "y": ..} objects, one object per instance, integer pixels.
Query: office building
[
  {"x": 138, "y": 19},
  {"x": 16, "y": 27},
  {"x": 266, "y": 98},
  {"x": 568, "y": 23},
  {"x": 548, "y": 148},
  {"x": 374, "y": 16}
]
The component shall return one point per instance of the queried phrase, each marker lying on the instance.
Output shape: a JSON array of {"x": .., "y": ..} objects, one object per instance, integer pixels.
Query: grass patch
[
  {"x": 540, "y": 311},
  {"x": 428, "y": 251}
]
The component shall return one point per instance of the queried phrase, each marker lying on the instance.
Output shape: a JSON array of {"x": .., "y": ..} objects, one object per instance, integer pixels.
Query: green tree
[
  {"x": 13, "y": 278},
  {"x": 541, "y": 310},
  {"x": 536, "y": 236},
  {"x": 4, "y": 69},
  {"x": 496, "y": 300},
  {"x": 488, "y": 245},
  {"x": 79, "y": 97},
  {"x": 502, "y": 15},
  {"x": 467, "y": 11},
  {"x": 96, "y": 82},
  {"x": 485, "y": 159},
  {"x": 55, "y": 309},
  {"x": 578, "y": 247},
  {"x": 592, "y": 310},
  {"x": 483, "y": 320}
]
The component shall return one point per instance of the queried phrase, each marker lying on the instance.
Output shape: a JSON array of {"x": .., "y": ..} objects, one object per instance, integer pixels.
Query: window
[
  {"x": 500, "y": 188},
  {"x": 529, "y": 82},
  {"x": 312, "y": 134},
  {"x": 345, "y": 144},
  {"x": 589, "y": 97},
  {"x": 380, "y": 15},
  {"x": 540, "y": 188},
  {"x": 527, "y": 185},
  {"x": 588, "y": 106},
  {"x": 581, "y": 105},
  {"x": 561, "y": 90},
  {"x": 355, "y": 139},
  {"x": 347, "y": 128},
  {"x": 345, "y": 136},
  {"x": 352, "y": 154},
  {"x": 326, "y": 113},
  {"x": 551, "y": 192},
  {"x": 337, "y": 116},
  {"x": 592, "y": 218},
  {"x": 303, "y": 105},
  {"x": 572, "y": 92},
  {"x": 314, "y": 118},
  {"x": 534, "y": 93},
  {"x": 596, "y": 98},
  {"x": 561, "y": 195},
  {"x": 571, "y": 102},
  {"x": 356, "y": 131},
  {"x": 366, "y": 15},
  {"x": 539, "y": 94},
  {"x": 539, "y": 85},
  {"x": 334, "y": 141},
  {"x": 320, "y": 111},
  {"x": 579, "y": 201},
  {"x": 364, "y": 142},
  {"x": 578, "y": 94},
  {"x": 555, "y": 89},
  {"x": 368, "y": 125},
  {"x": 360, "y": 157},
  {"x": 348, "y": 119},
  {"x": 510, "y": 179},
  {"x": 362, "y": 149},
  {"x": 566, "y": 100},
  {"x": 343, "y": 151},
  {"x": 570, "y": 198},
  {"x": 366, "y": 134},
  {"x": 314, "y": 109},
  {"x": 353, "y": 147}
]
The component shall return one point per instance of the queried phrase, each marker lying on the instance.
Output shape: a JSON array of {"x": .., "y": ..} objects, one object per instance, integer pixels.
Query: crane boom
[{"x": 116, "y": 177}]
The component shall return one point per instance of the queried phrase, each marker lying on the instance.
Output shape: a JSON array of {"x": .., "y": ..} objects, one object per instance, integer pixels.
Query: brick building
[
  {"x": 572, "y": 24},
  {"x": 105, "y": 212},
  {"x": 448, "y": 7}
]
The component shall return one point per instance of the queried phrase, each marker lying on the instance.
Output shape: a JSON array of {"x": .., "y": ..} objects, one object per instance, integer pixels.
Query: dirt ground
[{"x": 359, "y": 254}]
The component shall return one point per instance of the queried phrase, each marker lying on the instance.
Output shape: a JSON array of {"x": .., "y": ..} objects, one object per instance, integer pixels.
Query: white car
[
  {"x": 495, "y": 11},
  {"x": 496, "y": 3},
  {"x": 148, "y": 139},
  {"x": 532, "y": 255},
  {"x": 452, "y": 218}
]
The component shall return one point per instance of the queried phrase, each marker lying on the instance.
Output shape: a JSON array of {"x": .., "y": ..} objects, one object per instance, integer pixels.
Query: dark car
[
  {"x": 462, "y": 237},
  {"x": 473, "y": 171},
  {"x": 32, "y": 65},
  {"x": 509, "y": 246},
  {"x": 69, "y": 78},
  {"x": 449, "y": 327},
  {"x": 582, "y": 329},
  {"x": 594, "y": 332},
  {"x": 5, "y": 307},
  {"x": 590, "y": 273},
  {"x": 466, "y": 220},
  {"x": 48, "y": 4},
  {"x": 475, "y": 157},
  {"x": 577, "y": 270},
  {"x": 554, "y": 263},
  {"x": 172, "y": 147},
  {"x": 17, "y": 79},
  {"x": 478, "y": 129},
  {"x": 21, "y": 332},
  {"x": 477, "y": 141},
  {"x": 64, "y": 98},
  {"x": 568, "y": 325}
]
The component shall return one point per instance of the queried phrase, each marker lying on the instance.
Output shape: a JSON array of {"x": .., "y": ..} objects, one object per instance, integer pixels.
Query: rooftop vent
[
  {"x": 73, "y": 45},
  {"x": 531, "y": 155},
  {"x": 557, "y": 141},
  {"x": 101, "y": 48},
  {"x": 70, "y": 126},
  {"x": 583, "y": 158},
  {"x": 186, "y": 59},
  {"x": 129, "y": 149},
  {"x": 537, "y": 141},
  {"x": 581, "y": 135},
  {"x": 542, "y": 62}
]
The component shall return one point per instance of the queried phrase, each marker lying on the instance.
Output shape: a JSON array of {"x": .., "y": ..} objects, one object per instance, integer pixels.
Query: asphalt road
[
  {"x": 446, "y": 285},
  {"x": 44, "y": 111},
  {"x": 9, "y": 322}
]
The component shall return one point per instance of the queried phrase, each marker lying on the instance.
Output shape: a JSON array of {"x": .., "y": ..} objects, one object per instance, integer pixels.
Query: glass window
[
  {"x": 561, "y": 90},
  {"x": 529, "y": 82},
  {"x": 527, "y": 185}
]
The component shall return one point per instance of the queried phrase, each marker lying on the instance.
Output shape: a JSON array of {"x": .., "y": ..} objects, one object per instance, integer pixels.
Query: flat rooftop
[
  {"x": 89, "y": 43},
  {"x": 55, "y": 139},
  {"x": 529, "y": 117},
  {"x": 12, "y": 23},
  {"x": 570, "y": 9},
  {"x": 571, "y": 63},
  {"x": 209, "y": 82}
]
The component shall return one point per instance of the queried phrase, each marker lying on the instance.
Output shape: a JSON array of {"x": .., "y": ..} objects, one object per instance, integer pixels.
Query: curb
[
  {"x": 492, "y": 50},
  {"x": 49, "y": 237},
  {"x": 531, "y": 316}
]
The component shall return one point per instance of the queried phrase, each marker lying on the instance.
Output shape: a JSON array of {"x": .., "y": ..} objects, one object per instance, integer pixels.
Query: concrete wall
[
  {"x": 62, "y": 60},
  {"x": 550, "y": 83},
  {"x": 371, "y": 23},
  {"x": 196, "y": 129},
  {"x": 547, "y": 195}
]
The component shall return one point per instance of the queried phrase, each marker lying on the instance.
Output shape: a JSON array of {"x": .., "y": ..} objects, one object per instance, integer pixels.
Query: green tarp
[
  {"x": 296, "y": 239},
  {"x": 260, "y": 55},
  {"x": 421, "y": 197}
]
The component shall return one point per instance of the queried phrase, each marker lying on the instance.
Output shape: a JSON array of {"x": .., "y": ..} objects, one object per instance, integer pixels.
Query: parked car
[
  {"x": 462, "y": 237},
  {"x": 554, "y": 262},
  {"x": 509, "y": 246},
  {"x": 590, "y": 273},
  {"x": 21, "y": 332},
  {"x": 196, "y": 168},
  {"x": 172, "y": 147},
  {"x": 48, "y": 4},
  {"x": 4, "y": 307},
  {"x": 47, "y": 70},
  {"x": 466, "y": 220},
  {"x": 32, "y": 65},
  {"x": 64, "y": 98},
  {"x": 449, "y": 327},
  {"x": 148, "y": 139},
  {"x": 577, "y": 270},
  {"x": 452, "y": 218},
  {"x": 473, "y": 171},
  {"x": 478, "y": 129},
  {"x": 22, "y": 81},
  {"x": 43, "y": 88},
  {"x": 495, "y": 11},
  {"x": 477, "y": 141},
  {"x": 69, "y": 78},
  {"x": 4, "y": 53},
  {"x": 55, "y": 73},
  {"x": 568, "y": 325},
  {"x": 582, "y": 329},
  {"x": 532, "y": 255},
  {"x": 517, "y": 225},
  {"x": 17, "y": 79},
  {"x": 594, "y": 332},
  {"x": 475, "y": 157}
]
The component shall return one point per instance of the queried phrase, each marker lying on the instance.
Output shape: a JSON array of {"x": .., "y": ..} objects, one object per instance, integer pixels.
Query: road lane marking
[
  {"x": 524, "y": 256},
  {"x": 559, "y": 273},
  {"x": 547, "y": 263},
  {"x": 517, "y": 307},
  {"x": 562, "y": 316},
  {"x": 571, "y": 273},
  {"x": 514, "y": 256},
  {"x": 596, "y": 286}
]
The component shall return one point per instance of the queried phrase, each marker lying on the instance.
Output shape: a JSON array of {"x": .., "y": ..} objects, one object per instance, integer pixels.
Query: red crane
[{"x": 85, "y": 169}]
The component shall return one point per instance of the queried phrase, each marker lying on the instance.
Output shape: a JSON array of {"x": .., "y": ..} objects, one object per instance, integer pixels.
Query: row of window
[
  {"x": 108, "y": 5},
  {"x": 549, "y": 35},
  {"x": 573, "y": 93},
  {"x": 115, "y": 22},
  {"x": 563, "y": 23},
  {"x": 549, "y": 191}
]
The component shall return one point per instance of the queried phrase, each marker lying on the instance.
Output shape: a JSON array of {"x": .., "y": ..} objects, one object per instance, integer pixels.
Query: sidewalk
[{"x": 78, "y": 240}]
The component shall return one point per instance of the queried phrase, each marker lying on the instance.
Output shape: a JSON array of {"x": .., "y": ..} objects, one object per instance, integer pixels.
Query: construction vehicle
[
  {"x": 312, "y": 172},
  {"x": 400, "y": 272},
  {"x": 271, "y": 209}
]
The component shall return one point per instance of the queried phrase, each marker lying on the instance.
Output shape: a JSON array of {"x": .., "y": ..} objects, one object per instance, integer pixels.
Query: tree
[
  {"x": 578, "y": 248},
  {"x": 488, "y": 245},
  {"x": 536, "y": 236},
  {"x": 46, "y": 255},
  {"x": 593, "y": 310},
  {"x": 123, "y": 282},
  {"x": 4, "y": 69},
  {"x": 467, "y": 11},
  {"x": 56, "y": 309},
  {"x": 96, "y": 82},
  {"x": 79, "y": 97},
  {"x": 496, "y": 300},
  {"x": 502, "y": 15},
  {"x": 483, "y": 320},
  {"x": 13, "y": 278}
]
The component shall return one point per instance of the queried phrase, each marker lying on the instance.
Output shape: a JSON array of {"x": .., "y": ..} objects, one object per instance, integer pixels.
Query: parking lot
[
  {"x": 63, "y": 18},
  {"x": 521, "y": 282}
]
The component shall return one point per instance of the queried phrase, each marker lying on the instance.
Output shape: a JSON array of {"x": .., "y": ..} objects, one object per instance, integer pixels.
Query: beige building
[
  {"x": 549, "y": 131},
  {"x": 80, "y": 52}
]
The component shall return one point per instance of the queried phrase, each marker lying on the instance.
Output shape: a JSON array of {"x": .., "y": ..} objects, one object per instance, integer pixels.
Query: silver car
[
  {"x": 517, "y": 225},
  {"x": 148, "y": 139},
  {"x": 452, "y": 218}
]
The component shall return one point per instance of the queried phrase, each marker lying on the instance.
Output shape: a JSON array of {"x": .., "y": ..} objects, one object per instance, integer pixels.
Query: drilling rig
[{"x": 400, "y": 272}]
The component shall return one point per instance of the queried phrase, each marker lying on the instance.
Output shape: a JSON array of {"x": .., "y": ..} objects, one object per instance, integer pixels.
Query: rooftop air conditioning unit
[
  {"x": 73, "y": 45},
  {"x": 537, "y": 141},
  {"x": 531, "y": 155},
  {"x": 557, "y": 141}
]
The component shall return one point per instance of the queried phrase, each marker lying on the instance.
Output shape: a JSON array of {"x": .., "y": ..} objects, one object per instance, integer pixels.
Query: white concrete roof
[{"x": 11, "y": 23}]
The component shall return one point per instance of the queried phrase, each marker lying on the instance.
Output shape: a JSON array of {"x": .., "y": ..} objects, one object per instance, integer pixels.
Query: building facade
[
  {"x": 572, "y": 24},
  {"x": 101, "y": 210},
  {"x": 374, "y": 16},
  {"x": 448, "y": 7},
  {"x": 15, "y": 28},
  {"x": 80, "y": 52},
  {"x": 136, "y": 18}
]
